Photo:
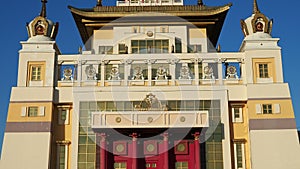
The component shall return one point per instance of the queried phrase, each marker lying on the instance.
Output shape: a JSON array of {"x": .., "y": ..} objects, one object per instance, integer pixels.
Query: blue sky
[{"x": 15, "y": 14}]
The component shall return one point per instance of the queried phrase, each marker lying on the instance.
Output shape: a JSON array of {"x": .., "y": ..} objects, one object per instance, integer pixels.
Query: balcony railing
[{"x": 150, "y": 119}]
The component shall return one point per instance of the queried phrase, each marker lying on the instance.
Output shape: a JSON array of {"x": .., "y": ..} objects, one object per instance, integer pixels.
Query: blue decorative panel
[
  {"x": 68, "y": 72},
  {"x": 231, "y": 70}
]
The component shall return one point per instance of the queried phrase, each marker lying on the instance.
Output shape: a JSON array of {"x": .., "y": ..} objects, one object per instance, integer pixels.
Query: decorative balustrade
[
  {"x": 149, "y": 119},
  {"x": 151, "y": 72}
]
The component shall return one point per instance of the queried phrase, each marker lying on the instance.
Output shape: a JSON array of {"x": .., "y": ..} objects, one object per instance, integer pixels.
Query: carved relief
[
  {"x": 161, "y": 74},
  {"x": 231, "y": 72},
  {"x": 114, "y": 74},
  {"x": 150, "y": 102},
  {"x": 208, "y": 73},
  {"x": 138, "y": 74},
  {"x": 90, "y": 72},
  {"x": 184, "y": 73}
]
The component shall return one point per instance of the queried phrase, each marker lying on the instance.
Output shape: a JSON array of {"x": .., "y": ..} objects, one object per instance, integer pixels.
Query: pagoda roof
[{"x": 212, "y": 18}]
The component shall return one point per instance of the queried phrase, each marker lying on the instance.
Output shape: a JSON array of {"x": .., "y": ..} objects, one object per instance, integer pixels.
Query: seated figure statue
[
  {"x": 67, "y": 74},
  {"x": 208, "y": 73},
  {"x": 232, "y": 73},
  {"x": 161, "y": 74},
  {"x": 184, "y": 73},
  {"x": 114, "y": 74},
  {"x": 138, "y": 74}
]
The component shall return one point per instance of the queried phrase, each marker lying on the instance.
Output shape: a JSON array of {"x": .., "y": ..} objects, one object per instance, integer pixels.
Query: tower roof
[
  {"x": 95, "y": 18},
  {"x": 41, "y": 28},
  {"x": 257, "y": 25}
]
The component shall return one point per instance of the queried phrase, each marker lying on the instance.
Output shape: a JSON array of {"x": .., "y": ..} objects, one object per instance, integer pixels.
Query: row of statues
[{"x": 161, "y": 73}]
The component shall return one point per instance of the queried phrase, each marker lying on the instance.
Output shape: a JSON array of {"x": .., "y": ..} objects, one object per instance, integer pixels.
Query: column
[
  {"x": 172, "y": 71},
  {"x": 79, "y": 72},
  {"x": 125, "y": 73},
  {"x": 149, "y": 62},
  {"x": 134, "y": 150},
  {"x": 166, "y": 150},
  {"x": 103, "y": 151},
  {"x": 102, "y": 73},
  {"x": 196, "y": 68},
  {"x": 243, "y": 70},
  {"x": 127, "y": 65},
  {"x": 197, "y": 150},
  {"x": 220, "y": 71}
]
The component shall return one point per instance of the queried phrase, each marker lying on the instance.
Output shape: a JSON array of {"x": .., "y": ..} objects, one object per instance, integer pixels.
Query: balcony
[{"x": 150, "y": 119}]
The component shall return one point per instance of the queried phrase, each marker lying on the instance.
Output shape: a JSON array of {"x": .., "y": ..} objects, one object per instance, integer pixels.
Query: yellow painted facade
[
  {"x": 15, "y": 111},
  {"x": 198, "y": 33},
  {"x": 33, "y": 75},
  {"x": 271, "y": 68},
  {"x": 241, "y": 132},
  {"x": 63, "y": 132},
  {"x": 103, "y": 34},
  {"x": 286, "y": 109}
]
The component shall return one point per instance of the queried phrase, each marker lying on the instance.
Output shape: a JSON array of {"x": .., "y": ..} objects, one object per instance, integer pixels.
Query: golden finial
[
  {"x": 255, "y": 7},
  {"x": 43, "y": 11},
  {"x": 219, "y": 48},
  {"x": 99, "y": 2},
  {"x": 200, "y": 3}
]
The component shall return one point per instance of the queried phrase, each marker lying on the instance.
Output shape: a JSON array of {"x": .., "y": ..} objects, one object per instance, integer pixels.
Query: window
[
  {"x": 121, "y": 165},
  {"x": 263, "y": 70},
  {"x": 150, "y": 46},
  {"x": 105, "y": 50},
  {"x": 36, "y": 72},
  {"x": 32, "y": 111},
  {"x": 267, "y": 108},
  {"x": 239, "y": 155},
  {"x": 61, "y": 156},
  {"x": 237, "y": 114},
  {"x": 182, "y": 165},
  {"x": 63, "y": 115},
  {"x": 123, "y": 49},
  {"x": 178, "y": 45},
  {"x": 194, "y": 49}
]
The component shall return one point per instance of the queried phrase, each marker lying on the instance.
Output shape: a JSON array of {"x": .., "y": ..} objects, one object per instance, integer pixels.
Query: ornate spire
[
  {"x": 255, "y": 7},
  {"x": 99, "y": 2},
  {"x": 43, "y": 11},
  {"x": 200, "y": 3}
]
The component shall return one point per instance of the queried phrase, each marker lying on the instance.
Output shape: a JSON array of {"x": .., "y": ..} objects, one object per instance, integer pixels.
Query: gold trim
[
  {"x": 63, "y": 142},
  {"x": 119, "y": 11}
]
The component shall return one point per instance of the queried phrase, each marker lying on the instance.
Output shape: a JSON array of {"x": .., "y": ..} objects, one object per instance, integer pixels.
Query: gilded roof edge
[{"x": 98, "y": 11}]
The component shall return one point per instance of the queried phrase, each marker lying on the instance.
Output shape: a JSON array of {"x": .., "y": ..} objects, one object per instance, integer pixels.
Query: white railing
[{"x": 150, "y": 119}]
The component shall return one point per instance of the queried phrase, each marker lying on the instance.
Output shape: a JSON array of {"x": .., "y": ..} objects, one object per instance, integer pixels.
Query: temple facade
[{"x": 151, "y": 89}]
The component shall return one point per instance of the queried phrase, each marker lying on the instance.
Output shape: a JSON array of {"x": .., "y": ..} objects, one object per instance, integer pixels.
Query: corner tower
[
  {"x": 273, "y": 136},
  {"x": 27, "y": 138}
]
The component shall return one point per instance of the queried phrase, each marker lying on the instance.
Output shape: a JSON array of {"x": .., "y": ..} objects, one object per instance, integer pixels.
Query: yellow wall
[
  {"x": 103, "y": 34},
  {"x": 15, "y": 109},
  {"x": 271, "y": 68},
  {"x": 197, "y": 33},
  {"x": 60, "y": 133},
  {"x": 241, "y": 132},
  {"x": 286, "y": 109},
  {"x": 29, "y": 73}
]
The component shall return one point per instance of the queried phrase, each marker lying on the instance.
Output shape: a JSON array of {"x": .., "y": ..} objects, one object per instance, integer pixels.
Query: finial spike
[
  {"x": 200, "y": 2},
  {"x": 255, "y": 7},
  {"x": 43, "y": 11}
]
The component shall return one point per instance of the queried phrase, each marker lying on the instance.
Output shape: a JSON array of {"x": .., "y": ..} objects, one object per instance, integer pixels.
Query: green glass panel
[
  {"x": 82, "y": 149},
  {"x": 81, "y": 157}
]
